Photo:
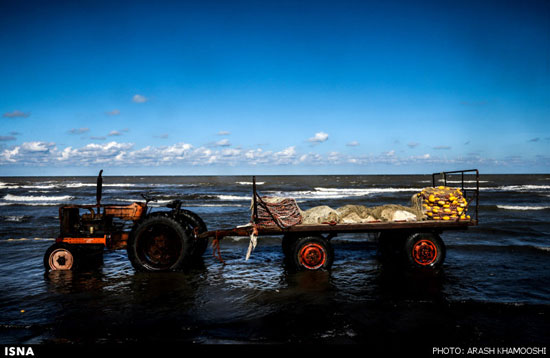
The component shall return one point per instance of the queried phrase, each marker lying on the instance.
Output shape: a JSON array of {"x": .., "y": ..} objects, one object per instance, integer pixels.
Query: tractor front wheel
[{"x": 60, "y": 256}]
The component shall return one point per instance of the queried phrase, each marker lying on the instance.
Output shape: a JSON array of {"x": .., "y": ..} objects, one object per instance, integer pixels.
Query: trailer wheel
[
  {"x": 159, "y": 244},
  {"x": 312, "y": 253},
  {"x": 60, "y": 256},
  {"x": 425, "y": 250}
]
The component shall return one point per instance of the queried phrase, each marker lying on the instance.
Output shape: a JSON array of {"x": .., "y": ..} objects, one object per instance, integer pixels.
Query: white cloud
[
  {"x": 285, "y": 156},
  {"x": 231, "y": 152},
  {"x": 319, "y": 137},
  {"x": 15, "y": 114},
  {"x": 138, "y": 98},
  {"x": 37, "y": 146},
  {"x": 79, "y": 130},
  {"x": 224, "y": 133},
  {"x": 353, "y": 144},
  {"x": 117, "y": 133},
  {"x": 223, "y": 143},
  {"x": 10, "y": 155},
  {"x": 38, "y": 153},
  {"x": 116, "y": 112}
]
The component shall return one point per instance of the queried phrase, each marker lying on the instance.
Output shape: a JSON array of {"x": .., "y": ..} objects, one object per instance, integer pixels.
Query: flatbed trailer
[
  {"x": 173, "y": 239},
  {"x": 307, "y": 246}
]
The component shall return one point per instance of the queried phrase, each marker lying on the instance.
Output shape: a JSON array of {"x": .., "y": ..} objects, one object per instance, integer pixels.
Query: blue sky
[{"x": 282, "y": 87}]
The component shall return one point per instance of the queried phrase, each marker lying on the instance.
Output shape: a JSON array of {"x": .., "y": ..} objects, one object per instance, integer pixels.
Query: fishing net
[
  {"x": 442, "y": 203},
  {"x": 355, "y": 214},
  {"x": 276, "y": 211}
]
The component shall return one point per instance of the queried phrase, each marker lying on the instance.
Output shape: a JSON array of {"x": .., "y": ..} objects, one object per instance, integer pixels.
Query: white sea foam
[
  {"x": 519, "y": 207},
  {"x": 31, "y": 198},
  {"x": 522, "y": 187},
  {"x": 250, "y": 183},
  {"x": 216, "y": 205},
  {"x": 151, "y": 203},
  {"x": 81, "y": 185},
  {"x": 336, "y": 193},
  {"x": 465, "y": 181},
  {"x": 233, "y": 197},
  {"x": 14, "y": 218}
]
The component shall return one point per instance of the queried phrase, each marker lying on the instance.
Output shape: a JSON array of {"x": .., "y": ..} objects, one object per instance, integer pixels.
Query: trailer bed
[
  {"x": 437, "y": 226},
  {"x": 308, "y": 245}
]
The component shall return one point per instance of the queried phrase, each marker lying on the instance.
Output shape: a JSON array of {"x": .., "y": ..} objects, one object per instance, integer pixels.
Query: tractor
[{"x": 163, "y": 240}]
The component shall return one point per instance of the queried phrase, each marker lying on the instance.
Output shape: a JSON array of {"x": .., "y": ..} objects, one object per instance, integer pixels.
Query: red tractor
[{"x": 165, "y": 240}]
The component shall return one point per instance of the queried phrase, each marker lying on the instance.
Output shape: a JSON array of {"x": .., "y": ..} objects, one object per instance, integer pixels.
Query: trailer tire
[
  {"x": 159, "y": 243},
  {"x": 311, "y": 253},
  {"x": 424, "y": 250},
  {"x": 60, "y": 256}
]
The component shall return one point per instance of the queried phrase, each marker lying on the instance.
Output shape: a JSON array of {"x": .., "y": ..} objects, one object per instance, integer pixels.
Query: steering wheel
[{"x": 147, "y": 198}]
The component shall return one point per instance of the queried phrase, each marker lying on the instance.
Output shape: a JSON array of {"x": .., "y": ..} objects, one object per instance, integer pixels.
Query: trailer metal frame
[{"x": 378, "y": 226}]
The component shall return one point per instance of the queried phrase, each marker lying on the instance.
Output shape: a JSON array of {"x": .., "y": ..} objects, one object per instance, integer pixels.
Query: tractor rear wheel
[
  {"x": 198, "y": 225},
  {"x": 159, "y": 244}
]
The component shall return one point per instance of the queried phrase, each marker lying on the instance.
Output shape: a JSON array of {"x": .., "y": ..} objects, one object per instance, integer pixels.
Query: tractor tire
[
  {"x": 311, "y": 253},
  {"x": 60, "y": 256},
  {"x": 159, "y": 243},
  {"x": 424, "y": 250},
  {"x": 199, "y": 245}
]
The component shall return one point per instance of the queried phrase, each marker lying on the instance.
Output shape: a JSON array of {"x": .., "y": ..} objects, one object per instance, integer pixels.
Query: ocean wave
[
  {"x": 14, "y": 218},
  {"x": 519, "y": 207},
  {"x": 249, "y": 183},
  {"x": 49, "y": 185},
  {"x": 465, "y": 181},
  {"x": 527, "y": 187},
  {"x": 233, "y": 198},
  {"x": 31, "y": 198},
  {"x": 81, "y": 185},
  {"x": 216, "y": 205},
  {"x": 158, "y": 202},
  {"x": 338, "y": 193}
]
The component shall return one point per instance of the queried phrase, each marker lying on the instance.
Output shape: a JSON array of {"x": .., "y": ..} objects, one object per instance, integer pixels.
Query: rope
[{"x": 216, "y": 249}]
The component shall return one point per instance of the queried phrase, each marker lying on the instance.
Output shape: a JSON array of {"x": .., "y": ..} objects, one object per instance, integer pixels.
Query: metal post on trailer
[
  {"x": 476, "y": 192},
  {"x": 254, "y": 201}
]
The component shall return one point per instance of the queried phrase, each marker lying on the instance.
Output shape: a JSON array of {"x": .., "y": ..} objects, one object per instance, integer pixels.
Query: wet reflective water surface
[
  {"x": 494, "y": 288},
  {"x": 360, "y": 300}
]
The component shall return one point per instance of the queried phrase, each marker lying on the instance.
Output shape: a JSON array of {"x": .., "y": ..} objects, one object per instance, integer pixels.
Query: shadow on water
[
  {"x": 90, "y": 307},
  {"x": 394, "y": 282}
]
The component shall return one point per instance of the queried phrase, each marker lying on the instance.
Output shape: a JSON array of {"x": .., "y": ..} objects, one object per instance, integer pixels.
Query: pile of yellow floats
[{"x": 444, "y": 203}]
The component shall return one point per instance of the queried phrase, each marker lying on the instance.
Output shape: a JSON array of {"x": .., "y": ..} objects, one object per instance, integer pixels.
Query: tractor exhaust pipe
[{"x": 99, "y": 188}]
